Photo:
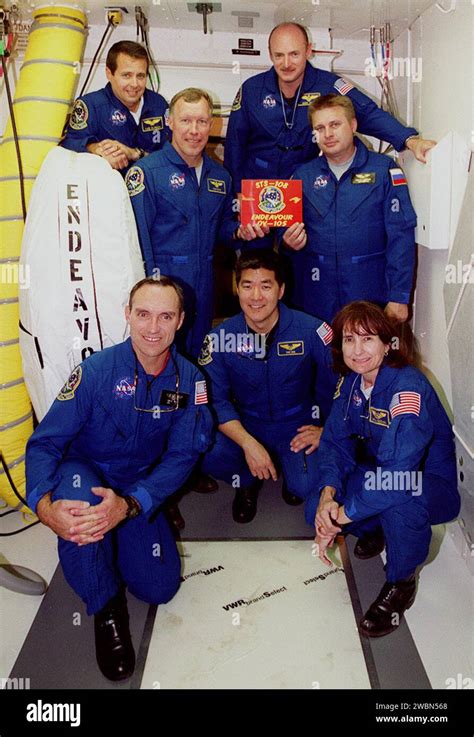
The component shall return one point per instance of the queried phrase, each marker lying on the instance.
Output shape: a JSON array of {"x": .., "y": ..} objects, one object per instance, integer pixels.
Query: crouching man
[
  {"x": 271, "y": 385},
  {"x": 123, "y": 434}
]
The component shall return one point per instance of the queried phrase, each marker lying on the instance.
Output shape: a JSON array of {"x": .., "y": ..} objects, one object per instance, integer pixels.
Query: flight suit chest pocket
[
  {"x": 247, "y": 374},
  {"x": 362, "y": 194}
]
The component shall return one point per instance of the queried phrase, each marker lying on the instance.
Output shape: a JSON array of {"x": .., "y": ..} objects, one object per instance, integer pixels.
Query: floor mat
[{"x": 256, "y": 615}]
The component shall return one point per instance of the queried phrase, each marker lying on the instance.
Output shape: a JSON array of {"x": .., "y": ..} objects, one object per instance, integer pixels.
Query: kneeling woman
[{"x": 386, "y": 460}]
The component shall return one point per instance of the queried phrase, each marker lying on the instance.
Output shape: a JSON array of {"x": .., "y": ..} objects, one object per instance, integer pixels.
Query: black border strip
[
  {"x": 358, "y": 613},
  {"x": 142, "y": 655}
]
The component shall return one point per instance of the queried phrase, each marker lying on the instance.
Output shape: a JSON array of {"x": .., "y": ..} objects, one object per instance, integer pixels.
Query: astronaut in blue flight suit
[
  {"x": 268, "y": 134},
  {"x": 271, "y": 385},
  {"x": 183, "y": 204},
  {"x": 387, "y": 465},
  {"x": 122, "y": 436},
  {"x": 357, "y": 240},
  {"x": 123, "y": 121}
]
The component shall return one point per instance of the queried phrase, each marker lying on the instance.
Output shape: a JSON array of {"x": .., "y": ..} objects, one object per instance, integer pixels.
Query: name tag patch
[
  {"x": 150, "y": 125},
  {"x": 216, "y": 185},
  {"x": 379, "y": 417},
  {"x": 308, "y": 98},
  {"x": 291, "y": 348},
  {"x": 168, "y": 399},
  {"x": 363, "y": 178}
]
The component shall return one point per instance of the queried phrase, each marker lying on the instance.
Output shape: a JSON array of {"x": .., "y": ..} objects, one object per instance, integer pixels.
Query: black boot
[
  {"x": 202, "y": 483},
  {"x": 289, "y": 498},
  {"x": 174, "y": 517},
  {"x": 244, "y": 506},
  {"x": 370, "y": 545},
  {"x": 113, "y": 644},
  {"x": 386, "y": 612}
]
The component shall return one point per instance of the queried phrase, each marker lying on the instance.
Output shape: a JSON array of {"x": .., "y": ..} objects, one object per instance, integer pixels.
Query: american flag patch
[
  {"x": 398, "y": 177},
  {"x": 325, "y": 333},
  {"x": 405, "y": 403},
  {"x": 342, "y": 86},
  {"x": 200, "y": 393}
]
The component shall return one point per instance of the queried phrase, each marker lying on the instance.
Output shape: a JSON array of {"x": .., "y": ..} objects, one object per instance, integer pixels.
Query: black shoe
[
  {"x": 244, "y": 506},
  {"x": 386, "y": 612},
  {"x": 369, "y": 545},
  {"x": 289, "y": 498},
  {"x": 203, "y": 484},
  {"x": 174, "y": 517},
  {"x": 113, "y": 644}
]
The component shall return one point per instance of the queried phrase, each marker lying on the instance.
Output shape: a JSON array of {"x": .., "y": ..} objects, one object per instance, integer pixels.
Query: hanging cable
[
  {"x": 18, "y": 532},
  {"x": 18, "y": 495},
  {"x": 15, "y": 135},
  {"x": 110, "y": 27},
  {"x": 10, "y": 480},
  {"x": 142, "y": 28},
  {"x": 5, "y": 514}
]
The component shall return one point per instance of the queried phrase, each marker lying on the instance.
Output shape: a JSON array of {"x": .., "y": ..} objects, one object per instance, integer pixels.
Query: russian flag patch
[{"x": 398, "y": 177}]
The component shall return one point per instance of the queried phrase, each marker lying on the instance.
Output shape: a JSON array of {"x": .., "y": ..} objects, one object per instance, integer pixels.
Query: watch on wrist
[
  {"x": 133, "y": 507},
  {"x": 141, "y": 152}
]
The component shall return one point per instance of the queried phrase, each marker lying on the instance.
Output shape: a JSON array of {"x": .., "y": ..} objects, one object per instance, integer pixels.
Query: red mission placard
[{"x": 272, "y": 202}]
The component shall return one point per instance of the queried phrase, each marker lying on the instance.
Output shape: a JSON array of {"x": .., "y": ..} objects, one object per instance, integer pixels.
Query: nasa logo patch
[
  {"x": 321, "y": 181},
  {"x": 246, "y": 344},
  {"x": 124, "y": 388},
  {"x": 79, "y": 116},
  {"x": 268, "y": 102},
  {"x": 117, "y": 117},
  {"x": 69, "y": 388},
  {"x": 177, "y": 180},
  {"x": 135, "y": 181}
]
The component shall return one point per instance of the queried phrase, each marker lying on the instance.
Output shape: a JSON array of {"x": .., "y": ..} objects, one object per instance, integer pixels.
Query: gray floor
[
  {"x": 59, "y": 649},
  {"x": 209, "y": 516}
]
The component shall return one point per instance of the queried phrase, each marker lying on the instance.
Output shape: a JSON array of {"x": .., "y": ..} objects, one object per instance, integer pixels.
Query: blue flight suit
[
  {"x": 93, "y": 435},
  {"x": 100, "y": 115},
  {"x": 271, "y": 396},
  {"x": 258, "y": 143},
  {"x": 361, "y": 235},
  {"x": 401, "y": 428},
  {"x": 179, "y": 223}
]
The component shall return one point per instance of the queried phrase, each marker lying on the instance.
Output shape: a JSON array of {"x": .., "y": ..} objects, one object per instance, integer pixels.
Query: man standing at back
[
  {"x": 358, "y": 236},
  {"x": 183, "y": 204},
  {"x": 268, "y": 134},
  {"x": 123, "y": 121}
]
